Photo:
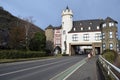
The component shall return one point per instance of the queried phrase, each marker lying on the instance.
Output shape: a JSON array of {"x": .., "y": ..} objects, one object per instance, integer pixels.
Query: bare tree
[{"x": 29, "y": 21}]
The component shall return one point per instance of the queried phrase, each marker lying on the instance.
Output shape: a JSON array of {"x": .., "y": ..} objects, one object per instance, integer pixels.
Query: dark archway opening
[
  {"x": 57, "y": 50},
  {"x": 97, "y": 50}
]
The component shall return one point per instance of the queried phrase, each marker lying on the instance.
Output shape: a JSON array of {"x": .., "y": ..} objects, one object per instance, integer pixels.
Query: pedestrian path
[{"x": 86, "y": 72}]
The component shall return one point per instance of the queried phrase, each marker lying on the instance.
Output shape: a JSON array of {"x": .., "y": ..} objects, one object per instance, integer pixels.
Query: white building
[{"x": 80, "y": 37}]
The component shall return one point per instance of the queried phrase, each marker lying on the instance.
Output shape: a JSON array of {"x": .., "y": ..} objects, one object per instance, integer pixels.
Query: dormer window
[
  {"x": 80, "y": 24},
  {"x": 91, "y": 23}
]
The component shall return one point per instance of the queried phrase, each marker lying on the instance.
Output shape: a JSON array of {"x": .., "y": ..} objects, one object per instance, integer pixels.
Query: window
[
  {"x": 98, "y": 27},
  {"x": 89, "y": 28},
  {"x": 103, "y": 35},
  {"x": 117, "y": 47},
  {"x": 103, "y": 46},
  {"x": 57, "y": 41},
  {"x": 111, "y": 46},
  {"x": 74, "y": 37},
  {"x": 62, "y": 22},
  {"x": 97, "y": 36},
  {"x": 81, "y": 28},
  {"x": 116, "y": 34},
  {"x": 80, "y": 23},
  {"x": 74, "y": 29},
  {"x": 104, "y": 25},
  {"x": 111, "y": 24},
  {"x": 110, "y": 35},
  {"x": 86, "y": 37},
  {"x": 91, "y": 23},
  {"x": 64, "y": 32}
]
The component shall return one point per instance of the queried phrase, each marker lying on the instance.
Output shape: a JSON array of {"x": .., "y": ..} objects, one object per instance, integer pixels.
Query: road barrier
[{"x": 112, "y": 70}]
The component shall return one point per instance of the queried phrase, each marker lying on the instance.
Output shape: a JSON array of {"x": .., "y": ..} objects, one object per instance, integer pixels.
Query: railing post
[{"x": 108, "y": 67}]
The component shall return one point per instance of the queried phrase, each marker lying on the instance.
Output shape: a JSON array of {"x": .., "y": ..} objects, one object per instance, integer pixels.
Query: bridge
[{"x": 62, "y": 68}]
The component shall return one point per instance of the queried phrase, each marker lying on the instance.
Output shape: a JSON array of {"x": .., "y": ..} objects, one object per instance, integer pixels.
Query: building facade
[{"x": 84, "y": 36}]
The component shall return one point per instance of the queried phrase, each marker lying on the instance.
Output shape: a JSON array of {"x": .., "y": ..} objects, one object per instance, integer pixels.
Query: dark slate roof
[
  {"x": 49, "y": 27},
  {"x": 59, "y": 27},
  {"x": 85, "y": 24},
  {"x": 109, "y": 19},
  {"x": 53, "y": 27}
]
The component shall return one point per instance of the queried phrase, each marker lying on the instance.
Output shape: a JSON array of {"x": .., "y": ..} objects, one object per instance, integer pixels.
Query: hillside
[{"x": 11, "y": 25}]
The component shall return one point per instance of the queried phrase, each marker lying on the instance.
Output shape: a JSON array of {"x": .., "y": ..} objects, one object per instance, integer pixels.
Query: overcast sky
[{"x": 46, "y": 12}]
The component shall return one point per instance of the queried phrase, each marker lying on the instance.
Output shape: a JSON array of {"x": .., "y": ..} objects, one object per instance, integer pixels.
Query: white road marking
[
  {"x": 58, "y": 76},
  {"x": 30, "y": 74},
  {"x": 32, "y": 68}
]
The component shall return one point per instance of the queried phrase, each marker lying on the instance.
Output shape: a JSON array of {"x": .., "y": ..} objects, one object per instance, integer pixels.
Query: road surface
[{"x": 47, "y": 69}]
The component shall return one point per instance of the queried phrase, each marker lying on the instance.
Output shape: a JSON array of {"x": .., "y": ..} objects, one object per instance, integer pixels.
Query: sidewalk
[{"x": 87, "y": 72}]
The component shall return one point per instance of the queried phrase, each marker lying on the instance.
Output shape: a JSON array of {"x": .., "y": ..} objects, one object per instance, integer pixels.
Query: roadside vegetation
[
  {"x": 20, "y": 38},
  {"x": 112, "y": 56},
  {"x": 16, "y": 54},
  {"x": 35, "y": 48}
]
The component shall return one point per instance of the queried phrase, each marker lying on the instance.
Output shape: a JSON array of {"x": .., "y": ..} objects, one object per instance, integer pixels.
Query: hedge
[
  {"x": 110, "y": 55},
  {"x": 15, "y": 54}
]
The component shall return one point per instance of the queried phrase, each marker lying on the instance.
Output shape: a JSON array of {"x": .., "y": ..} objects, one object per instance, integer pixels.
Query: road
[{"x": 46, "y": 69}]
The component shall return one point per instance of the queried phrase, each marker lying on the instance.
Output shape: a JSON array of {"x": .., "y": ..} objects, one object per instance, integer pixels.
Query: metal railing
[{"x": 110, "y": 67}]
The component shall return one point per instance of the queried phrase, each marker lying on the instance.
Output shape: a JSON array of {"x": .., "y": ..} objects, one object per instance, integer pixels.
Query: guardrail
[{"x": 110, "y": 68}]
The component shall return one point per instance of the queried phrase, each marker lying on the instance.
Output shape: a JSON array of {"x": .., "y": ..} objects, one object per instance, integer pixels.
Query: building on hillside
[{"x": 83, "y": 36}]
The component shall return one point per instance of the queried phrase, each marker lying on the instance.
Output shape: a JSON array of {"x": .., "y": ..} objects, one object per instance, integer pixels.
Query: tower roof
[
  {"x": 67, "y": 11},
  {"x": 49, "y": 27},
  {"x": 109, "y": 19}
]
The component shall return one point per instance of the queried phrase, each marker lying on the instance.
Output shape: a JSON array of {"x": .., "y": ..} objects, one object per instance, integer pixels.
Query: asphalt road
[{"x": 38, "y": 69}]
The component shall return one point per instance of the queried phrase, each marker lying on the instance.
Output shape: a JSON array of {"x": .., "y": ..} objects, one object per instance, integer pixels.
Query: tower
[
  {"x": 49, "y": 33},
  {"x": 110, "y": 34},
  {"x": 67, "y": 23}
]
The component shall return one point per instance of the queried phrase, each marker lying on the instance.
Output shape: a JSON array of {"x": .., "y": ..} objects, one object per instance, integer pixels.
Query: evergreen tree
[{"x": 37, "y": 43}]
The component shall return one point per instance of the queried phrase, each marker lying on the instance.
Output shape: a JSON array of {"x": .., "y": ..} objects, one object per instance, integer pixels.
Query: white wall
[{"x": 80, "y": 39}]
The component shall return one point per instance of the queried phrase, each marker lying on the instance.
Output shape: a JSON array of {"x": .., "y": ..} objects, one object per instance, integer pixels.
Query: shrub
[
  {"x": 15, "y": 54},
  {"x": 110, "y": 55}
]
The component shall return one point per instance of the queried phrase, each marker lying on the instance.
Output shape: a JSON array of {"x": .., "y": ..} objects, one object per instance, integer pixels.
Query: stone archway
[{"x": 57, "y": 50}]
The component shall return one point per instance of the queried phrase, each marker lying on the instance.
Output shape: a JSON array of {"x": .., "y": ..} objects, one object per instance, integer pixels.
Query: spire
[
  {"x": 67, "y": 7},
  {"x": 67, "y": 11}
]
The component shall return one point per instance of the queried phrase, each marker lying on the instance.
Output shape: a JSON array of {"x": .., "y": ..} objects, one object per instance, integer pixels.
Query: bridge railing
[{"x": 110, "y": 68}]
